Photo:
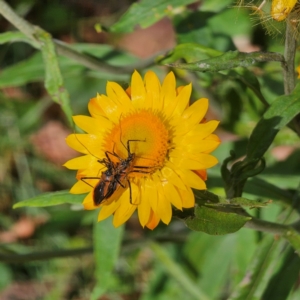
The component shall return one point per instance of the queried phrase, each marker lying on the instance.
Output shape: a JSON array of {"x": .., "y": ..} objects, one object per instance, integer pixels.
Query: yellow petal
[
  {"x": 138, "y": 91},
  {"x": 95, "y": 109},
  {"x": 164, "y": 209},
  {"x": 87, "y": 144},
  {"x": 124, "y": 211},
  {"x": 168, "y": 173},
  {"x": 119, "y": 96},
  {"x": 83, "y": 162},
  {"x": 80, "y": 188},
  {"x": 196, "y": 112},
  {"x": 192, "y": 162},
  {"x": 93, "y": 125},
  {"x": 107, "y": 210},
  {"x": 72, "y": 141},
  {"x": 205, "y": 146},
  {"x": 153, "y": 88},
  {"x": 88, "y": 202},
  {"x": 153, "y": 221},
  {"x": 112, "y": 110},
  {"x": 188, "y": 197},
  {"x": 171, "y": 193},
  {"x": 213, "y": 137},
  {"x": 191, "y": 117},
  {"x": 168, "y": 93},
  {"x": 134, "y": 198},
  {"x": 151, "y": 192},
  {"x": 144, "y": 208},
  {"x": 191, "y": 179},
  {"x": 201, "y": 131},
  {"x": 182, "y": 100}
]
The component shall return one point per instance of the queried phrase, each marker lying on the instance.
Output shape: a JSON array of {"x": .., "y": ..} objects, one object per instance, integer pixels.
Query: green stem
[
  {"x": 269, "y": 227},
  {"x": 64, "y": 49},
  {"x": 22, "y": 258},
  {"x": 289, "y": 54},
  {"x": 24, "y": 26}
]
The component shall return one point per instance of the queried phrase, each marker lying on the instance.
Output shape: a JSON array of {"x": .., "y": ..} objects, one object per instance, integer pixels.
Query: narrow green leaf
[
  {"x": 107, "y": 244},
  {"x": 53, "y": 78},
  {"x": 21, "y": 73},
  {"x": 178, "y": 273},
  {"x": 279, "y": 114},
  {"x": 250, "y": 285},
  {"x": 229, "y": 60},
  {"x": 215, "y": 222},
  {"x": 260, "y": 187},
  {"x": 145, "y": 13},
  {"x": 16, "y": 36},
  {"x": 285, "y": 278},
  {"x": 50, "y": 199},
  {"x": 250, "y": 80}
]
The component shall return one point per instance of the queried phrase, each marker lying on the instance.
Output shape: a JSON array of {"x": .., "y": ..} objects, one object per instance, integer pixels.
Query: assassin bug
[{"x": 115, "y": 175}]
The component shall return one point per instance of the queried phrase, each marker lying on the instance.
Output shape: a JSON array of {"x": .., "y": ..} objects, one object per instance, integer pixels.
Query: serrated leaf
[
  {"x": 279, "y": 114},
  {"x": 50, "y": 199},
  {"x": 215, "y": 222},
  {"x": 107, "y": 244},
  {"x": 145, "y": 13},
  {"x": 229, "y": 60},
  {"x": 189, "y": 52}
]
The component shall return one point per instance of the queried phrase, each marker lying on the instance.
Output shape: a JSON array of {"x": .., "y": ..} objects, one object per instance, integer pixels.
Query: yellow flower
[{"x": 145, "y": 147}]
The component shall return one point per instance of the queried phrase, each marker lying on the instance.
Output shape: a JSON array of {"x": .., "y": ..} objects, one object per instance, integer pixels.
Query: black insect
[{"x": 115, "y": 175}]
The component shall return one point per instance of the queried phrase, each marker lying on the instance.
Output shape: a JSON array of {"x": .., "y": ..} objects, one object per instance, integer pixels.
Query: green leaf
[
  {"x": 190, "y": 52},
  {"x": 229, "y": 60},
  {"x": 259, "y": 187},
  {"x": 249, "y": 79},
  {"x": 50, "y": 199},
  {"x": 178, "y": 273},
  {"x": 215, "y": 222},
  {"x": 279, "y": 114},
  {"x": 16, "y": 36},
  {"x": 146, "y": 12},
  {"x": 26, "y": 71},
  {"x": 250, "y": 284},
  {"x": 107, "y": 244},
  {"x": 287, "y": 275},
  {"x": 53, "y": 78}
]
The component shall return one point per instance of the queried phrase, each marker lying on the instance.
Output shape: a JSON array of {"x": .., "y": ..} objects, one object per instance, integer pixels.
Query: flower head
[{"x": 144, "y": 148}]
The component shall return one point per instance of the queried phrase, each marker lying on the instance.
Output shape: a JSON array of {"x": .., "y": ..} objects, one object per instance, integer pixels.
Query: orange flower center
[{"x": 144, "y": 134}]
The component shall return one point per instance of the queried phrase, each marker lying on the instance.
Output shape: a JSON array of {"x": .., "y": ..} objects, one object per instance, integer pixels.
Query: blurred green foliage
[{"x": 132, "y": 263}]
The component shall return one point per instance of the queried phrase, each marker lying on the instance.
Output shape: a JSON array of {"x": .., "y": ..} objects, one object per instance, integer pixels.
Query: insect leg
[
  {"x": 130, "y": 193},
  {"x": 84, "y": 178}
]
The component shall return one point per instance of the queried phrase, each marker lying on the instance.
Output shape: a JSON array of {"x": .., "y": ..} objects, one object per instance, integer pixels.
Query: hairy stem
[{"x": 289, "y": 54}]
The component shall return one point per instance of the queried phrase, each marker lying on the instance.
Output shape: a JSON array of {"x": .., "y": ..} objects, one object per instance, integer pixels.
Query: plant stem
[
  {"x": 269, "y": 227},
  {"x": 64, "y": 49},
  {"x": 289, "y": 54},
  {"x": 24, "y": 26},
  {"x": 22, "y": 258}
]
